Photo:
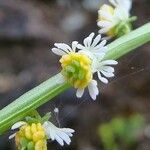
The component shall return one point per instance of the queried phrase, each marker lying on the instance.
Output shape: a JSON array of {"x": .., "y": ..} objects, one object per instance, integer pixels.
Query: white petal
[
  {"x": 58, "y": 51},
  {"x": 113, "y": 2},
  {"x": 109, "y": 62},
  {"x": 12, "y": 136},
  {"x": 105, "y": 14},
  {"x": 127, "y": 4},
  {"x": 96, "y": 40},
  {"x": 92, "y": 35},
  {"x": 104, "y": 24},
  {"x": 104, "y": 80},
  {"x": 18, "y": 125},
  {"x": 63, "y": 46},
  {"x": 79, "y": 46},
  {"x": 121, "y": 13},
  {"x": 59, "y": 140},
  {"x": 61, "y": 135},
  {"x": 100, "y": 46},
  {"x": 93, "y": 89},
  {"x": 79, "y": 92},
  {"x": 68, "y": 130},
  {"x": 87, "y": 41},
  {"x": 65, "y": 137},
  {"x": 108, "y": 69},
  {"x": 51, "y": 134},
  {"x": 69, "y": 134},
  {"x": 87, "y": 52},
  {"x": 107, "y": 74},
  {"x": 49, "y": 130},
  {"x": 104, "y": 30},
  {"x": 74, "y": 45},
  {"x": 100, "y": 55}
]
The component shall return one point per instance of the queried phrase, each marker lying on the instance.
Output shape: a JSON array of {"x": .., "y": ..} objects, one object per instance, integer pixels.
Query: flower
[
  {"x": 80, "y": 62},
  {"x": 30, "y": 136},
  {"x": 61, "y": 135},
  {"x": 76, "y": 68},
  {"x": 96, "y": 50},
  {"x": 115, "y": 20},
  {"x": 34, "y": 136}
]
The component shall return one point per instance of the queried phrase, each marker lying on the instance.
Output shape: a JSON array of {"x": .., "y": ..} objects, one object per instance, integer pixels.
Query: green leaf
[{"x": 46, "y": 117}]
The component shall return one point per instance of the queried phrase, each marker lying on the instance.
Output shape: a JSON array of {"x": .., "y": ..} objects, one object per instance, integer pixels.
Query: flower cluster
[
  {"x": 80, "y": 62},
  {"x": 115, "y": 20},
  {"x": 33, "y": 135}
]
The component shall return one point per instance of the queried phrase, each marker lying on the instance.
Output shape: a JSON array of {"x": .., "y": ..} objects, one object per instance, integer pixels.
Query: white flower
[
  {"x": 93, "y": 44},
  {"x": 63, "y": 49},
  {"x": 110, "y": 17},
  {"x": 61, "y": 135},
  {"x": 96, "y": 50},
  {"x": 93, "y": 50},
  {"x": 104, "y": 70}
]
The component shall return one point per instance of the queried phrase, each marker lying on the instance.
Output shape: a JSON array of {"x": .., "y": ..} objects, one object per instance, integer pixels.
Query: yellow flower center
[
  {"x": 76, "y": 68},
  {"x": 31, "y": 137},
  {"x": 109, "y": 9}
]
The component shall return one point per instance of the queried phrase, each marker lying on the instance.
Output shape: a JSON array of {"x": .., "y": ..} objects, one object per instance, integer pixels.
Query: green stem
[
  {"x": 31, "y": 100},
  {"x": 129, "y": 42}
]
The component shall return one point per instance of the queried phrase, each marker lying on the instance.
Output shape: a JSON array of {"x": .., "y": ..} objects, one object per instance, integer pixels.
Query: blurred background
[{"x": 119, "y": 118}]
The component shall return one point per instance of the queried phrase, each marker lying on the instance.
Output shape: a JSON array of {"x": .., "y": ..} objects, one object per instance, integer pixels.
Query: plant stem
[
  {"x": 129, "y": 42},
  {"x": 31, "y": 100}
]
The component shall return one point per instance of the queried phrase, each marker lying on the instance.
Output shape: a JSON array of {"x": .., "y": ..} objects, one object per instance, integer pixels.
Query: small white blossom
[
  {"x": 63, "y": 49},
  {"x": 110, "y": 17},
  {"x": 61, "y": 135},
  {"x": 95, "y": 50},
  {"x": 93, "y": 44},
  {"x": 104, "y": 70}
]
